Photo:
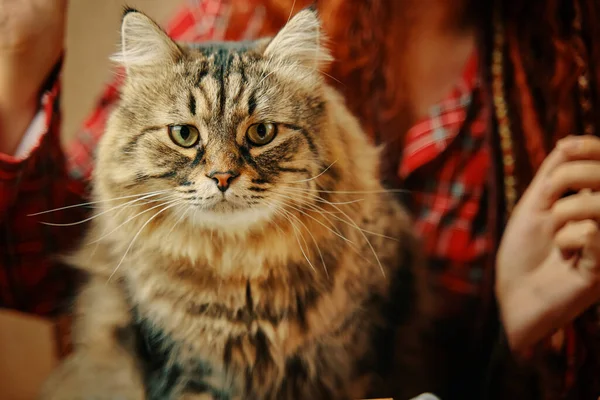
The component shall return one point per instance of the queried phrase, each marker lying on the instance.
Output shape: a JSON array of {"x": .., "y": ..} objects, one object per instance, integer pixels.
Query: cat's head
[{"x": 219, "y": 133}]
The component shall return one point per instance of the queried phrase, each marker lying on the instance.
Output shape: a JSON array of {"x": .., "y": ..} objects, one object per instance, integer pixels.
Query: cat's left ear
[
  {"x": 144, "y": 43},
  {"x": 301, "y": 40}
]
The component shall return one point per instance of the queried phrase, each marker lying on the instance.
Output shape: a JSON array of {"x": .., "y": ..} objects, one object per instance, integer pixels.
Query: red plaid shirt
[{"x": 445, "y": 166}]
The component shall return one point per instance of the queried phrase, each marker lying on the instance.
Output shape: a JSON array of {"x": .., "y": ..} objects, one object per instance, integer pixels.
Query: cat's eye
[
  {"x": 261, "y": 134},
  {"x": 184, "y": 135}
]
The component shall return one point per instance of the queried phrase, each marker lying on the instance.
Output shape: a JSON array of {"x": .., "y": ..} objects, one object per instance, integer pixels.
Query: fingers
[
  {"x": 573, "y": 164},
  {"x": 574, "y": 175},
  {"x": 582, "y": 237},
  {"x": 570, "y": 148},
  {"x": 575, "y": 236},
  {"x": 536, "y": 192},
  {"x": 584, "y": 205},
  {"x": 586, "y": 147}
]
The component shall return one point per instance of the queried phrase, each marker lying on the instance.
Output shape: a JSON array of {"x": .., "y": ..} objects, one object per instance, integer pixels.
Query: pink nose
[{"x": 223, "y": 179}]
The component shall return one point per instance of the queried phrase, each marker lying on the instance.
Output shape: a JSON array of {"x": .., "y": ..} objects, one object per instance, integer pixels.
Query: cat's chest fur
[{"x": 199, "y": 332}]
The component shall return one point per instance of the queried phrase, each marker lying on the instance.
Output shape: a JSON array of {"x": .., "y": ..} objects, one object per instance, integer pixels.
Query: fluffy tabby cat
[{"x": 243, "y": 247}]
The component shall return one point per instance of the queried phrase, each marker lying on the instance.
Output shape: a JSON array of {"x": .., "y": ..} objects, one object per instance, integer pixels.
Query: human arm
[
  {"x": 31, "y": 41},
  {"x": 31, "y": 36},
  {"x": 547, "y": 265}
]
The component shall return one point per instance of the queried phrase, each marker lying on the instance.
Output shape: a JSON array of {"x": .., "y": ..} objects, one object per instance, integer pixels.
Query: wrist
[
  {"x": 543, "y": 301},
  {"x": 14, "y": 120},
  {"x": 521, "y": 310},
  {"x": 20, "y": 96}
]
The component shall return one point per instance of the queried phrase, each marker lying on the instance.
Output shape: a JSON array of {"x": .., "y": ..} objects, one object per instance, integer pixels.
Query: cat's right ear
[
  {"x": 301, "y": 40},
  {"x": 144, "y": 43}
]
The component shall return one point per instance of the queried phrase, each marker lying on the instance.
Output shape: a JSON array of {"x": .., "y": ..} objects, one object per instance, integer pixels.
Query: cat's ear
[
  {"x": 301, "y": 40},
  {"x": 143, "y": 42}
]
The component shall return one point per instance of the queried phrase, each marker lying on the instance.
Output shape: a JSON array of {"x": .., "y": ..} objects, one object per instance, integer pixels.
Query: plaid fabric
[
  {"x": 30, "y": 280},
  {"x": 445, "y": 167}
]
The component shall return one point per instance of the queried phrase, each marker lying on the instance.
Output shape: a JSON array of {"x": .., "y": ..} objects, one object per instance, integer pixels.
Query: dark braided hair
[{"x": 546, "y": 57}]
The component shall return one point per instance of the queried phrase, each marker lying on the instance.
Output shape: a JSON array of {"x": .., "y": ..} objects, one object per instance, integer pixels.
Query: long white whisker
[
  {"x": 96, "y": 215},
  {"x": 289, "y": 204},
  {"x": 276, "y": 209},
  {"x": 135, "y": 237},
  {"x": 315, "y": 177},
  {"x": 291, "y": 11},
  {"x": 309, "y": 200},
  {"x": 314, "y": 241},
  {"x": 96, "y": 202},
  {"x": 354, "y": 224},
  {"x": 183, "y": 214},
  {"x": 295, "y": 229},
  {"x": 322, "y": 210},
  {"x": 299, "y": 189},
  {"x": 364, "y": 236},
  {"x": 131, "y": 218},
  {"x": 265, "y": 77}
]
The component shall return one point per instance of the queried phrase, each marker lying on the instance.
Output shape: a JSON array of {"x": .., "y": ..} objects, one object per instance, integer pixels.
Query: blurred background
[{"x": 92, "y": 36}]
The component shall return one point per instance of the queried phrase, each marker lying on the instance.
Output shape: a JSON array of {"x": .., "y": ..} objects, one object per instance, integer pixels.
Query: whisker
[
  {"x": 132, "y": 218},
  {"x": 314, "y": 241},
  {"x": 265, "y": 77},
  {"x": 322, "y": 210},
  {"x": 323, "y": 73},
  {"x": 275, "y": 208},
  {"x": 289, "y": 204},
  {"x": 295, "y": 229},
  {"x": 291, "y": 11},
  {"x": 136, "y": 236},
  {"x": 299, "y": 189},
  {"x": 315, "y": 177},
  {"x": 96, "y": 202},
  {"x": 355, "y": 225},
  {"x": 352, "y": 245},
  {"x": 183, "y": 214},
  {"x": 365, "y": 237},
  {"x": 95, "y": 215}
]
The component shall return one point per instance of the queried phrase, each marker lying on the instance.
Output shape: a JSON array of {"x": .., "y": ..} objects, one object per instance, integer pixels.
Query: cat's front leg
[{"x": 103, "y": 364}]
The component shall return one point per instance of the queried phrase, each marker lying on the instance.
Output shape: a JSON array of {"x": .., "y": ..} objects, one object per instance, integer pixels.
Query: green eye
[
  {"x": 184, "y": 135},
  {"x": 261, "y": 134}
]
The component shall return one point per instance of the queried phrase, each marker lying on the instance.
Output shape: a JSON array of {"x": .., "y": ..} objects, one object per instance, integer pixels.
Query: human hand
[
  {"x": 547, "y": 269},
  {"x": 31, "y": 42}
]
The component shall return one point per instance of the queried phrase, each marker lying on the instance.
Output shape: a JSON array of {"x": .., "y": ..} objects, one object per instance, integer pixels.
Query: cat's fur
[{"x": 275, "y": 293}]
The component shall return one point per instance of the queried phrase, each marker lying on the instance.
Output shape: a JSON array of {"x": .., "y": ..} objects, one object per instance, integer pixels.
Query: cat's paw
[{"x": 84, "y": 377}]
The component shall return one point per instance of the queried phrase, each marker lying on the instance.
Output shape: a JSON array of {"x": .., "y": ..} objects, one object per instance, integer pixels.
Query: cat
[{"x": 242, "y": 246}]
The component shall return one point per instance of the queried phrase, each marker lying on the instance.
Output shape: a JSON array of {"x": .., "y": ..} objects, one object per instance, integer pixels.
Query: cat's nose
[{"x": 223, "y": 179}]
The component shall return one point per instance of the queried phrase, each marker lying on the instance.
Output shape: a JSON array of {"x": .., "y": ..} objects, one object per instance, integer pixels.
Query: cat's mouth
[{"x": 226, "y": 204}]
